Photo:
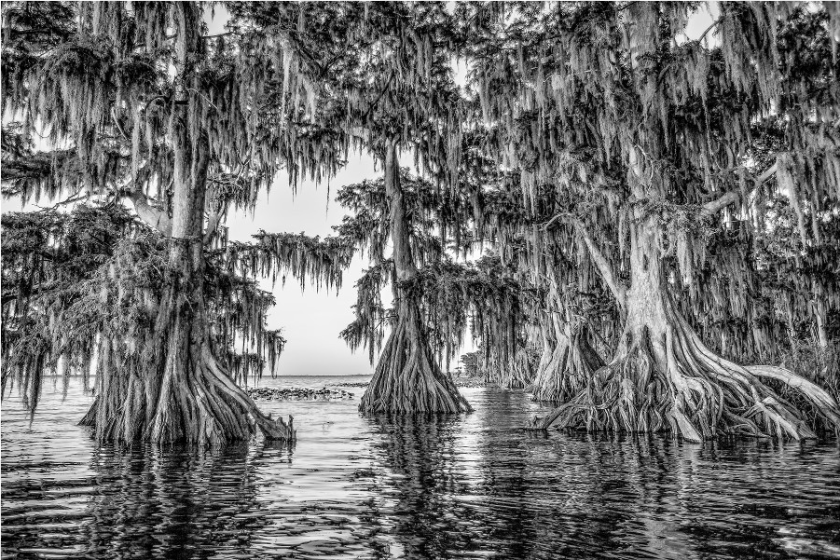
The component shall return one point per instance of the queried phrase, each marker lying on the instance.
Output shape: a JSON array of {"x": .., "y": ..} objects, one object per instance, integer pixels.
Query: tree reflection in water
[
  {"x": 529, "y": 497},
  {"x": 153, "y": 503},
  {"x": 420, "y": 454},
  {"x": 511, "y": 494}
]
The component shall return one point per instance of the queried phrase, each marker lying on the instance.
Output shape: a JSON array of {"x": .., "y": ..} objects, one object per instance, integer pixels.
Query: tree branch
[
  {"x": 604, "y": 267},
  {"x": 290, "y": 34},
  {"x": 554, "y": 219},
  {"x": 714, "y": 206},
  {"x": 75, "y": 197},
  {"x": 212, "y": 225},
  {"x": 151, "y": 215},
  {"x": 616, "y": 287},
  {"x": 118, "y": 125},
  {"x": 706, "y": 32},
  {"x": 378, "y": 97}
]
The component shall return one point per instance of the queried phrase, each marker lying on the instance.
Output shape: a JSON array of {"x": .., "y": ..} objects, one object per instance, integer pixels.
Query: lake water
[{"x": 472, "y": 486}]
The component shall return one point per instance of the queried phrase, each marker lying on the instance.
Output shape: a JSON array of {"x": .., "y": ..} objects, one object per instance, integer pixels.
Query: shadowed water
[{"x": 477, "y": 485}]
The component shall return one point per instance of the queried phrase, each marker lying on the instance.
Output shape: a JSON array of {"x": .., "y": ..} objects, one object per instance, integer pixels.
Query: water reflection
[
  {"x": 162, "y": 504},
  {"x": 145, "y": 503},
  {"x": 527, "y": 497},
  {"x": 505, "y": 492},
  {"x": 474, "y": 485},
  {"x": 422, "y": 459}
]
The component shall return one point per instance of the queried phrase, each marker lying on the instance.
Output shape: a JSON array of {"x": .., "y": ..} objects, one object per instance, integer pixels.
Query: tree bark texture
[
  {"x": 407, "y": 378},
  {"x": 567, "y": 363},
  {"x": 663, "y": 378},
  {"x": 177, "y": 392}
]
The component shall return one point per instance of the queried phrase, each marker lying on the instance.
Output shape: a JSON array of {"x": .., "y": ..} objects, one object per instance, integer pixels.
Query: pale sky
[{"x": 310, "y": 320}]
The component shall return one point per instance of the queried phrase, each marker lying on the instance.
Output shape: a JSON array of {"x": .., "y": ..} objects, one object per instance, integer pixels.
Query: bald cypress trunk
[
  {"x": 407, "y": 378},
  {"x": 567, "y": 364},
  {"x": 177, "y": 391},
  {"x": 663, "y": 378}
]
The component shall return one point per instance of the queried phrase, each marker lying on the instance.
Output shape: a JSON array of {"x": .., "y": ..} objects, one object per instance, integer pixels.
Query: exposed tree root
[
  {"x": 407, "y": 379},
  {"x": 514, "y": 383},
  {"x": 566, "y": 367},
  {"x": 175, "y": 391},
  {"x": 516, "y": 374},
  {"x": 665, "y": 379},
  {"x": 195, "y": 403}
]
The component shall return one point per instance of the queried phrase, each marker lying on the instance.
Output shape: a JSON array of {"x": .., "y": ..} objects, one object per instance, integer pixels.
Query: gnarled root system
[
  {"x": 673, "y": 382},
  {"x": 194, "y": 401},
  {"x": 407, "y": 379},
  {"x": 567, "y": 369}
]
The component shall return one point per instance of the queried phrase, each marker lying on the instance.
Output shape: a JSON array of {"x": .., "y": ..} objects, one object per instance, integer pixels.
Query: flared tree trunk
[
  {"x": 567, "y": 364},
  {"x": 407, "y": 378},
  {"x": 519, "y": 371},
  {"x": 176, "y": 391},
  {"x": 663, "y": 377}
]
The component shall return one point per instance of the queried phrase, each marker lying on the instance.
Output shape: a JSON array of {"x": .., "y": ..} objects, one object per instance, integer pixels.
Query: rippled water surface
[{"x": 471, "y": 486}]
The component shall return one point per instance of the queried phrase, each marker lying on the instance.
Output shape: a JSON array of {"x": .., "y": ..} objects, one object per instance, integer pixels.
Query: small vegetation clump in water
[{"x": 298, "y": 393}]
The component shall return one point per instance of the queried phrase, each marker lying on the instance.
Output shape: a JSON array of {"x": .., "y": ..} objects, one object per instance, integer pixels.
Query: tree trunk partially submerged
[
  {"x": 568, "y": 362},
  {"x": 663, "y": 378},
  {"x": 194, "y": 402},
  {"x": 174, "y": 390},
  {"x": 520, "y": 371},
  {"x": 181, "y": 393},
  {"x": 407, "y": 379}
]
